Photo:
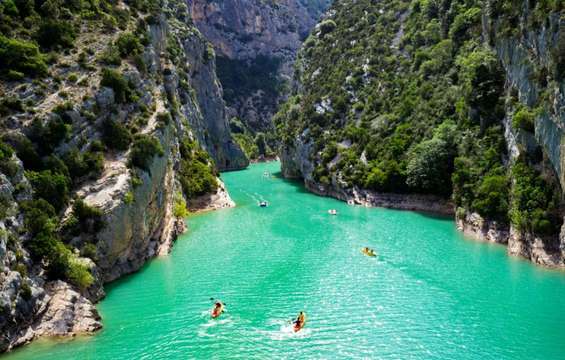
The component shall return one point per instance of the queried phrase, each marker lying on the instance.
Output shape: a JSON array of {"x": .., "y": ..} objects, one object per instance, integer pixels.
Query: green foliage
[
  {"x": 242, "y": 78},
  {"x": 247, "y": 144},
  {"x": 48, "y": 135},
  {"x": 197, "y": 173},
  {"x": 128, "y": 44},
  {"x": 179, "y": 208},
  {"x": 21, "y": 56},
  {"x": 144, "y": 149},
  {"x": 45, "y": 245},
  {"x": 524, "y": 119},
  {"x": 535, "y": 203},
  {"x": 81, "y": 164},
  {"x": 123, "y": 90},
  {"x": 53, "y": 34},
  {"x": 50, "y": 186},
  {"x": 115, "y": 135},
  {"x": 89, "y": 218}
]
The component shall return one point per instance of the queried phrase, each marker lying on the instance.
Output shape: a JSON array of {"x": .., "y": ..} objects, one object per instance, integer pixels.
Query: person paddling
[
  {"x": 218, "y": 309},
  {"x": 300, "y": 321}
]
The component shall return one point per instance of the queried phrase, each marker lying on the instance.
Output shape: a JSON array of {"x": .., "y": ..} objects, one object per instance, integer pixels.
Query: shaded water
[{"x": 431, "y": 293}]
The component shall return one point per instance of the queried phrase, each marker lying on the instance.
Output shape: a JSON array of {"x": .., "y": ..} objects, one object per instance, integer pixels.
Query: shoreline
[{"x": 472, "y": 226}]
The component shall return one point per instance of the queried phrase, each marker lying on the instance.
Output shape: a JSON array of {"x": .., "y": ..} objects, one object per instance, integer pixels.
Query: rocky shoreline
[{"x": 473, "y": 226}]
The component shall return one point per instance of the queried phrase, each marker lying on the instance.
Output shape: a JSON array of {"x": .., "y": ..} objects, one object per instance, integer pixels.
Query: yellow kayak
[{"x": 369, "y": 252}]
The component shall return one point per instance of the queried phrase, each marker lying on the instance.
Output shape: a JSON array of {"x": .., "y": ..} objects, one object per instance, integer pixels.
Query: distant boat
[
  {"x": 332, "y": 212},
  {"x": 263, "y": 204}
]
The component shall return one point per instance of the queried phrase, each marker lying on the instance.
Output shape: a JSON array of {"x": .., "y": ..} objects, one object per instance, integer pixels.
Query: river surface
[{"x": 431, "y": 294}]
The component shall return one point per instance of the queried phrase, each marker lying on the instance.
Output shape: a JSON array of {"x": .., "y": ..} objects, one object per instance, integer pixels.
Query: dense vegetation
[
  {"x": 197, "y": 173},
  {"x": 404, "y": 96},
  {"x": 39, "y": 43}
]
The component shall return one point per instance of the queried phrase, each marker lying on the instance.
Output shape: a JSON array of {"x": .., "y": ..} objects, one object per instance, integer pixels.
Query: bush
[
  {"x": 197, "y": 173},
  {"x": 52, "y": 187},
  {"x": 83, "y": 164},
  {"x": 535, "y": 205},
  {"x": 128, "y": 44},
  {"x": 144, "y": 149},
  {"x": 179, "y": 208},
  {"x": 115, "y": 135},
  {"x": 430, "y": 166},
  {"x": 524, "y": 119},
  {"x": 21, "y": 56},
  {"x": 114, "y": 80},
  {"x": 492, "y": 198},
  {"x": 53, "y": 34},
  {"x": 48, "y": 135},
  {"x": 89, "y": 218}
]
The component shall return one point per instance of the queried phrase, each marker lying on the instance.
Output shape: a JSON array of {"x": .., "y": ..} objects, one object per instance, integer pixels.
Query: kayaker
[
  {"x": 299, "y": 322},
  {"x": 218, "y": 309}
]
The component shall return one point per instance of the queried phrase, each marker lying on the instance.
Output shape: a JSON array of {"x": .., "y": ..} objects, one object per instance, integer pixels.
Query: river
[{"x": 431, "y": 293}]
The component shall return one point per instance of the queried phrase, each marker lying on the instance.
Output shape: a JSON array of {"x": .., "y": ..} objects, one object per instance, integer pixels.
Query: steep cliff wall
[
  {"x": 461, "y": 100},
  {"x": 256, "y": 42},
  {"x": 111, "y": 137}
]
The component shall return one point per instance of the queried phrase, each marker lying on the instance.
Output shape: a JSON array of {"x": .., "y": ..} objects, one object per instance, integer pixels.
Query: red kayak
[
  {"x": 299, "y": 325},
  {"x": 217, "y": 311}
]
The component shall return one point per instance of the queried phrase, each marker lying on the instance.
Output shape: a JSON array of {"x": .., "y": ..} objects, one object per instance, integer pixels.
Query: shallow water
[{"x": 431, "y": 293}]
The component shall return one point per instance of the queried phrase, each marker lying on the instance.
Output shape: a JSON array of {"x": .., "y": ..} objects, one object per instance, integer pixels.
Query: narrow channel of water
[{"x": 430, "y": 294}]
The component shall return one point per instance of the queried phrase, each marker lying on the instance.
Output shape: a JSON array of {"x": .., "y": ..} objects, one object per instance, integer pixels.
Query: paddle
[{"x": 212, "y": 299}]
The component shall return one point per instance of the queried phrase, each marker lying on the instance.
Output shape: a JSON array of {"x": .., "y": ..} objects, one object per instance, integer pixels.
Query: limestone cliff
[
  {"x": 256, "y": 42},
  {"x": 133, "y": 120},
  {"x": 460, "y": 100}
]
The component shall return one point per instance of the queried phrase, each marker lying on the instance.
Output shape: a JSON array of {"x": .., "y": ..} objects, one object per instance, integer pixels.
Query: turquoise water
[{"x": 431, "y": 295}]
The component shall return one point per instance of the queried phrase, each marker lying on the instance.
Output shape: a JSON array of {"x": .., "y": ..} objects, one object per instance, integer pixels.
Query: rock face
[
  {"x": 259, "y": 40},
  {"x": 181, "y": 98},
  {"x": 353, "y": 89}
]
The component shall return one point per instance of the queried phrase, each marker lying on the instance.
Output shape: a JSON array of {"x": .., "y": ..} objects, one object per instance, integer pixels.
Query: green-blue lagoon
[{"x": 430, "y": 294}]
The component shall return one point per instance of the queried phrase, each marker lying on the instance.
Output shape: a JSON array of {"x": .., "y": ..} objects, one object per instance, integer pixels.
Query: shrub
[
  {"x": 492, "y": 198},
  {"x": 48, "y": 135},
  {"x": 50, "y": 186},
  {"x": 524, "y": 119},
  {"x": 128, "y": 44},
  {"x": 430, "y": 166},
  {"x": 53, "y": 34},
  {"x": 83, "y": 164},
  {"x": 179, "y": 208},
  {"x": 115, "y": 135},
  {"x": 115, "y": 81},
  {"x": 197, "y": 174},
  {"x": 89, "y": 218},
  {"x": 144, "y": 149},
  {"x": 534, "y": 202},
  {"x": 21, "y": 56}
]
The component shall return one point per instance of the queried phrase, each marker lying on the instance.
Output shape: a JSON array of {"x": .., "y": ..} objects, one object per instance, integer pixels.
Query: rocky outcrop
[
  {"x": 180, "y": 97},
  {"x": 64, "y": 313},
  {"x": 253, "y": 35},
  {"x": 475, "y": 226},
  {"x": 215, "y": 201}
]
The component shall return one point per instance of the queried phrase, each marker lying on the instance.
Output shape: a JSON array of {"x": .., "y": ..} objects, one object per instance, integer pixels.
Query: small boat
[
  {"x": 263, "y": 204},
  {"x": 369, "y": 252},
  {"x": 217, "y": 310},
  {"x": 332, "y": 212},
  {"x": 299, "y": 325}
]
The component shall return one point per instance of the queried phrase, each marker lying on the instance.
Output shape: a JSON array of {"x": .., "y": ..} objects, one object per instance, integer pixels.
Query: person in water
[{"x": 299, "y": 319}]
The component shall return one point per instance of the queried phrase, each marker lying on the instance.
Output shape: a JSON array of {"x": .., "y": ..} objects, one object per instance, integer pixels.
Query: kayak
[
  {"x": 217, "y": 311},
  {"x": 297, "y": 327},
  {"x": 369, "y": 253}
]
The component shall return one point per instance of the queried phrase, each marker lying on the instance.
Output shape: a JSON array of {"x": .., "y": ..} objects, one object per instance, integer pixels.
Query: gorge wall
[
  {"x": 461, "y": 101},
  {"x": 105, "y": 143},
  {"x": 256, "y": 42}
]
